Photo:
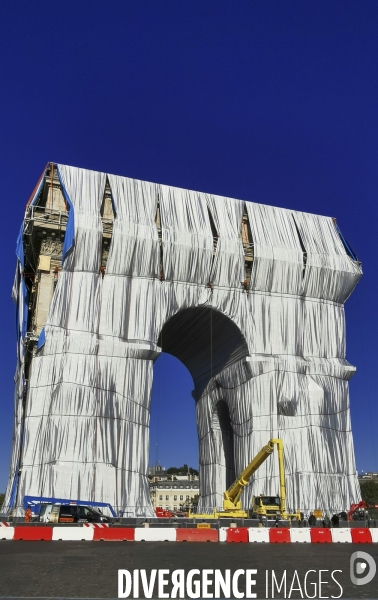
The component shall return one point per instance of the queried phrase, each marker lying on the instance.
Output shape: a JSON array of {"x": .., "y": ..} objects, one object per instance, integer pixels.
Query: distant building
[
  {"x": 367, "y": 476},
  {"x": 174, "y": 495},
  {"x": 156, "y": 471}
]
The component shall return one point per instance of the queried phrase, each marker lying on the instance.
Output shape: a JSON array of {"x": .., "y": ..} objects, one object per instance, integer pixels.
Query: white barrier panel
[
  {"x": 6, "y": 533},
  {"x": 155, "y": 534},
  {"x": 342, "y": 535},
  {"x": 72, "y": 533},
  {"x": 223, "y": 534},
  {"x": 258, "y": 534},
  {"x": 374, "y": 535},
  {"x": 300, "y": 535}
]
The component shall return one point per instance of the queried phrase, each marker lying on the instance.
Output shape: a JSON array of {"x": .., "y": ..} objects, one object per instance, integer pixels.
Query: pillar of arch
[{"x": 249, "y": 297}]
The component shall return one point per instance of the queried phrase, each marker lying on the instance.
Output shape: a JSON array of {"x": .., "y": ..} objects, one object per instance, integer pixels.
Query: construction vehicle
[
  {"x": 163, "y": 514},
  {"x": 357, "y": 511},
  {"x": 262, "y": 506},
  {"x": 36, "y": 503}
]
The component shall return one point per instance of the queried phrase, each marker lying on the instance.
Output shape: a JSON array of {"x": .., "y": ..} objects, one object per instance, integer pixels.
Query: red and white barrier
[
  {"x": 6, "y": 531},
  {"x": 374, "y": 535},
  {"x": 237, "y": 534},
  {"x": 114, "y": 534},
  {"x": 361, "y": 535},
  {"x": 342, "y": 535},
  {"x": 301, "y": 535},
  {"x": 258, "y": 534},
  {"x": 37, "y": 533},
  {"x": 155, "y": 534},
  {"x": 279, "y": 536},
  {"x": 102, "y": 532},
  {"x": 320, "y": 536},
  {"x": 192, "y": 534},
  {"x": 79, "y": 534}
]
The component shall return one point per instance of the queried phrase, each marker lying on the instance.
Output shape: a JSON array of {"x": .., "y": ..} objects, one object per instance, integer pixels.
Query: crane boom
[
  {"x": 232, "y": 495},
  {"x": 232, "y": 505}
]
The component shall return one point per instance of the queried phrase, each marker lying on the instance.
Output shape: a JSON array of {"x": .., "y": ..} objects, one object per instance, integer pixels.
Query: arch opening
[
  {"x": 173, "y": 431},
  {"x": 205, "y": 340}
]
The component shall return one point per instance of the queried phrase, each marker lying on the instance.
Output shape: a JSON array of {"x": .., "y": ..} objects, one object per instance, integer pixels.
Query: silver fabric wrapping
[
  {"x": 266, "y": 363},
  {"x": 228, "y": 267}
]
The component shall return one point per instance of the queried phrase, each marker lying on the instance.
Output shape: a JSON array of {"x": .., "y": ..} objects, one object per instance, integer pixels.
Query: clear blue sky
[{"x": 270, "y": 101}]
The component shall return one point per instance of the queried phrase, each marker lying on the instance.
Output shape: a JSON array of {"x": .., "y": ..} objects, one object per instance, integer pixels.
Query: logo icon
[{"x": 361, "y": 563}]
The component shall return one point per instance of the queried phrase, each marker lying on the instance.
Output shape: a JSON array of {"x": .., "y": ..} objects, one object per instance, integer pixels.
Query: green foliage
[
  {"x": 2, "y": 496},
  {"x": 369, "y": 492},
  {"x": 182, "y": 470}
]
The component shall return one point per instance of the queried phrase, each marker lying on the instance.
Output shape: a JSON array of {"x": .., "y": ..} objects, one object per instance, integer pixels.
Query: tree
[
  {"x": 182, "y": 470},
  {"x": 194, "y": 502},
  {"x": 369, "y": 492},
  {"x": 2, "y": 496}
]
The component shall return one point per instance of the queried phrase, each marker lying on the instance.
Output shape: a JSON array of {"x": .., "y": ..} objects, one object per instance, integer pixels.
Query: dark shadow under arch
[
  {"x": 221, "y": 422},
  {"x": 206, "y": 342}
]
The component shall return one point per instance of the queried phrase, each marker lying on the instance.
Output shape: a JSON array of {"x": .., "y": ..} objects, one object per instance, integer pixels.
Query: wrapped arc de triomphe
[{"x": 110, "y": 272}]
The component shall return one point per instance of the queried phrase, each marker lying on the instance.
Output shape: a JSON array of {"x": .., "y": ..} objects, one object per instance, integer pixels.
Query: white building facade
[{"x": 174, "y": 495}]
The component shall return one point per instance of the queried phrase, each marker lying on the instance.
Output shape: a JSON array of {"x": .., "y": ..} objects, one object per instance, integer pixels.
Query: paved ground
[{"x": 89, "y": 569}]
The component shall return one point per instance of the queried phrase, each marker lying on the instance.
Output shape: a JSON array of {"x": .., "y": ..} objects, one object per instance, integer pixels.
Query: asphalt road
[{"x": 90, "y": 569}]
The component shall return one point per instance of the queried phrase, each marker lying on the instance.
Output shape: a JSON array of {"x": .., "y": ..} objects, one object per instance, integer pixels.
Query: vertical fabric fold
[{"x": 228, "y": 267}]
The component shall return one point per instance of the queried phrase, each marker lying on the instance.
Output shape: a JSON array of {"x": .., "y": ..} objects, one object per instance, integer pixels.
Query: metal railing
[{"x": 41, "y": 214}]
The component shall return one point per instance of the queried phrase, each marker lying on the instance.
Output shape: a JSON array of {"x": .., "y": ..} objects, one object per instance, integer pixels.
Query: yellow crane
[{"x": 261, "y": 505}]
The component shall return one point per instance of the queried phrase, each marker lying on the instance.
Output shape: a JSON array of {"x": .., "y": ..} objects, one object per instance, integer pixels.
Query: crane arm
[
  {"x": 281, "y": 470},
  {"x": 354, "y": 507},
  {"x": 232, "y": 495}
]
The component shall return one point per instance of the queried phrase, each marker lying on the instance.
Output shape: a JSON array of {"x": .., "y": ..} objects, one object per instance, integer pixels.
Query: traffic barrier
[
  {"x": 98, "y": 532},
  {"x": 320, "y": 536},
  {"x": 34, "y": 534},
  {"x": 258, "y": 534},
  {"x": 300, "y": 535},
  {"x": 6, "y": 531},
  {"x": 237, "y": 534},
  {"x": 190, "y": 534},
  {"x": 155, "y": 534},
  {"x": 362, "y": 535},
  {"x": 223, "y": 534},
  {"x": 374, "y": 535},
  {"x": 341, "y": 535},
  {"x": 279, "y": 536},
  {"x": 114, "y": 534},
  {"x": 73, "y": 534}
]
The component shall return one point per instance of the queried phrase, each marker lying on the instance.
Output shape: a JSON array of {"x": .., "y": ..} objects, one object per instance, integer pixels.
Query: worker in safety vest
[{"x": 28, "y": 515}]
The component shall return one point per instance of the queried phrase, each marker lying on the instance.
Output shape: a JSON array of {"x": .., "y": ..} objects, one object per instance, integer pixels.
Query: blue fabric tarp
[
  {"x": 347, "y": 247},
  {"x": 25, "y": 306},
  {"x": 20, "y": 247},
  {"x": 41, "y": 339}
]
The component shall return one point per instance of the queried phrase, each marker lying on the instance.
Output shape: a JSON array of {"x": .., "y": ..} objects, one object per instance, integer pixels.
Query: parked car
[{"x": 71, "y": 513}]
